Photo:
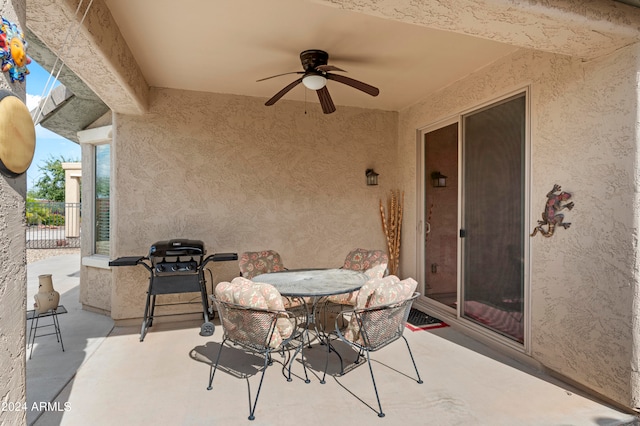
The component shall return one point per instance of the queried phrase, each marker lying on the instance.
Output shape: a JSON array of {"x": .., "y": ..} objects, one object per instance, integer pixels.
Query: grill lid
[{"x": 177, "y": 247}]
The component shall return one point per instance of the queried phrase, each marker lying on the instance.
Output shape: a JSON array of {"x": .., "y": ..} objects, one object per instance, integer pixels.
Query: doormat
[{"x": 418, "y": 320}]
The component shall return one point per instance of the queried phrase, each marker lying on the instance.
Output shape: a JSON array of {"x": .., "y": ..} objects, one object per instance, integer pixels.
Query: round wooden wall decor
[{"x": 17, "y": 135}]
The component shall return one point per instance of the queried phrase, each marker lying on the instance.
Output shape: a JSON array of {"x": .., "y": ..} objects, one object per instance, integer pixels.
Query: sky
[{"x": 48, "y": 144}]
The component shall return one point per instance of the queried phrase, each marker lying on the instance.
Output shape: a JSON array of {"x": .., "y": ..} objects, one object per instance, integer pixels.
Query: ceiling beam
[
  {"x": 97, "y": 53},
  {"x": 72, "y": 106}
]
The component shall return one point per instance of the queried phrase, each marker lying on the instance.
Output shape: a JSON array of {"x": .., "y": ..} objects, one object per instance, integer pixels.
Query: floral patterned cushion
[
  {"x": 254, "y": 263},
  {"x": 344, "y": 299},
  {"x": 376, "y": 292},
  {"x": 386, "y": 290},
  {"x": 372, "y": 262},
  {"x": 245, "y": 292},
  {"x": 377, "y": 271},
  {"x": 362, "y": 259}
]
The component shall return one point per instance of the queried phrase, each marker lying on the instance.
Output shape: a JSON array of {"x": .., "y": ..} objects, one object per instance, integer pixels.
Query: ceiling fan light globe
[{"x": 314, "y": 82}]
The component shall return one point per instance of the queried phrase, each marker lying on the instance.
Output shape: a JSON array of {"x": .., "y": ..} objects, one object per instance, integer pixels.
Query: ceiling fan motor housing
[{"x": 311, "y": 59}]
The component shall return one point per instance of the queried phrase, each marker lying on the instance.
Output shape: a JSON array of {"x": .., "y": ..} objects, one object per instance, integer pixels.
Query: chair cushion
[
  {"x": 377, "y": 271},
  {"x": 382, "y": 291},
  {"x": 362, "y": 259},
  {"x": 254, "y": 263},
  {"x": 376, "y": 292},
  {"x": 344, "y": 298},
  {"x": 245, "y": 292}
]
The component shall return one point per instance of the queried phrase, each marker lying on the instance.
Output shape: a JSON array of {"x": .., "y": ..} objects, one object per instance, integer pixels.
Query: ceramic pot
[{"x": 47, "y": 298}]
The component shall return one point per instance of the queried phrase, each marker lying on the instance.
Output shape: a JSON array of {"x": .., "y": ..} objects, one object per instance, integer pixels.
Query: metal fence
[{"x": 52, "y": 225}]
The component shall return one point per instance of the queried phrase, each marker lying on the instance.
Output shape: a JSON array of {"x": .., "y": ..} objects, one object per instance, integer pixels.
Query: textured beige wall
[
  {"x": 13, "y": 272},
  {"x": 240, "y": 176},
  {"x": 95, "y": 291},
  {"x": 584, "y": 118}
]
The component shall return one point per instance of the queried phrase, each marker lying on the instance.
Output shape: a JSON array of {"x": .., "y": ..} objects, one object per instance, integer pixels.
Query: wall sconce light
[
  {"x": 438, "y": 180},
  {"x": 372, "y": 177}
]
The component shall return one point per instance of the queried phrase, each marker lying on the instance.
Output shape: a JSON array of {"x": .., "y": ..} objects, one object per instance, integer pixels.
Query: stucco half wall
[
  {"x": 583, "y": 136},
  {"x": 238, "y": 176}
]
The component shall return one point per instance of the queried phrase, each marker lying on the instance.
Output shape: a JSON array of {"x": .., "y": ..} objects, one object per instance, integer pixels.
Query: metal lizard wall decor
[{"x": 550, "y": 215}]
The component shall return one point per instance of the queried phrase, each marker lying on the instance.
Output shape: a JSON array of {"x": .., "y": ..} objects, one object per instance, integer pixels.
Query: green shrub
[{"x": 50, "y": 214}]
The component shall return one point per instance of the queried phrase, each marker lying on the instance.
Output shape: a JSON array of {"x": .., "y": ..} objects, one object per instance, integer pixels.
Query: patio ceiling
[
  {"x": 224, "y": 46},
  {"x": 407, "y": 49}
]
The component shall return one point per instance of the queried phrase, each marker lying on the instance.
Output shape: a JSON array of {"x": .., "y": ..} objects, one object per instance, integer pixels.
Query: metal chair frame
[
  {"x": 252, "y": 330},
  {"x": 379, "y": 326}
]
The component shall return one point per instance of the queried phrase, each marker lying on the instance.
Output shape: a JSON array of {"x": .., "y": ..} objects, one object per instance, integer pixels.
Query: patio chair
[
  {"x": 360, "y": 259},
  {"x": 254, "y": 263},
  {"x": 372, "y": 262},
  {"x": 253, "y": 318},
  {"x": 377, "y": 325}
]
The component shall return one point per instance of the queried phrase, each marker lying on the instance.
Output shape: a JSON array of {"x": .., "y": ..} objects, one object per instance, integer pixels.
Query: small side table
[{"x": 33, "y": 330}]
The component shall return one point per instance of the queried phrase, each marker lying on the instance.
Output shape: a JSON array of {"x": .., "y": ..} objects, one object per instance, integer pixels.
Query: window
[{"x": 102, "y": 183}]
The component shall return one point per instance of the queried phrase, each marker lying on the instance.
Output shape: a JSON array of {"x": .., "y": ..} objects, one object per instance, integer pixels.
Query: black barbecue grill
[{"x": 175, "y": 266}]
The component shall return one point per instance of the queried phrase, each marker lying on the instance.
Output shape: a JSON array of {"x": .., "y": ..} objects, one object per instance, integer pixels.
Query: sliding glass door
[
  {"x": 475, "y": 219},
  {"x": 493, "y": 231},
  {"x": 441, "y": 196}
]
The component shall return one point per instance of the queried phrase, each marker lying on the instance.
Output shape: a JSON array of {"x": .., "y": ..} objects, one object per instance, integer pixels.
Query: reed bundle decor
[{"x": 392, "y": 227}]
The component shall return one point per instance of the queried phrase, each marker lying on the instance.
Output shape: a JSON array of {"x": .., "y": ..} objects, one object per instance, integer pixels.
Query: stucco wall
[
  {"x": 13, "y": 294},
  {"x": 241, "y": 176},
  {"x": 13, "y": 272},
  {"x": 584, "y": 138},
  {"x": 583, "y": 282},
  {"x": 95, "y": 293}
]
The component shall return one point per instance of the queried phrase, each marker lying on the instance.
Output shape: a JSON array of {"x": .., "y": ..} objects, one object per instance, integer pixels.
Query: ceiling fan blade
[
  {"x": 326, "y": 68},
  {"x": 373, "y": 91},
  {"x": 325, "y": 100},
  {"x": 278, "y": 75},
  {"x": 281, "y": 93}
]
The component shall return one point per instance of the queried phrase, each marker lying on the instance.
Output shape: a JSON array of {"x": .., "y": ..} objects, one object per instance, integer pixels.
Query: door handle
[{"x": 428, "y": 231}]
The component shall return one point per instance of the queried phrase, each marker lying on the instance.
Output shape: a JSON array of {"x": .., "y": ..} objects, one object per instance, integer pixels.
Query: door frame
[{"x": 453, "y": 316}]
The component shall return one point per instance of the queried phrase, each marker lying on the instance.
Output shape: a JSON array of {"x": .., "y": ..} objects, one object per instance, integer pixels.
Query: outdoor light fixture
[
  {"x": 314, "y": 81},
  {"x": 438, "y": 180},
  {"x": 372, "y": 177}
]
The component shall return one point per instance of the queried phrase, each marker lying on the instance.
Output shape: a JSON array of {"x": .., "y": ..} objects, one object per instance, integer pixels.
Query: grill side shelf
[{"x": 126, "y": 261}]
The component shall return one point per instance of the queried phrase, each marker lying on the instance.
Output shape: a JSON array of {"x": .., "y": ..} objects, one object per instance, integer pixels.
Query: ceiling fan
[{"x": 315, "y": 75}]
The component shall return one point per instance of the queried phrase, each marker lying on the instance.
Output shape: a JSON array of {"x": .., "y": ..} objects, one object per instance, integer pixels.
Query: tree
[{"x": 50, "y": 186}]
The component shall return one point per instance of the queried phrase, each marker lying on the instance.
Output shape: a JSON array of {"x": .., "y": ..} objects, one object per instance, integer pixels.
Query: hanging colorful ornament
[{"x": 13, "y": 51}]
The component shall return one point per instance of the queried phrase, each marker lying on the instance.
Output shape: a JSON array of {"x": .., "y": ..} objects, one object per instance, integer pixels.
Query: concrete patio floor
[{"x": 106, "y": 376}]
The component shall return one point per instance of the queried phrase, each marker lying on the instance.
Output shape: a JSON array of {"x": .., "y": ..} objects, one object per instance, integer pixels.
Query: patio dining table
[{"x": 313, "y": 284}]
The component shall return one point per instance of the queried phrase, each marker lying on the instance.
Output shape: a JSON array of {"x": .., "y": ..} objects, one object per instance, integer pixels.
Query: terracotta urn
[{"x": 47, "y": 298}]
